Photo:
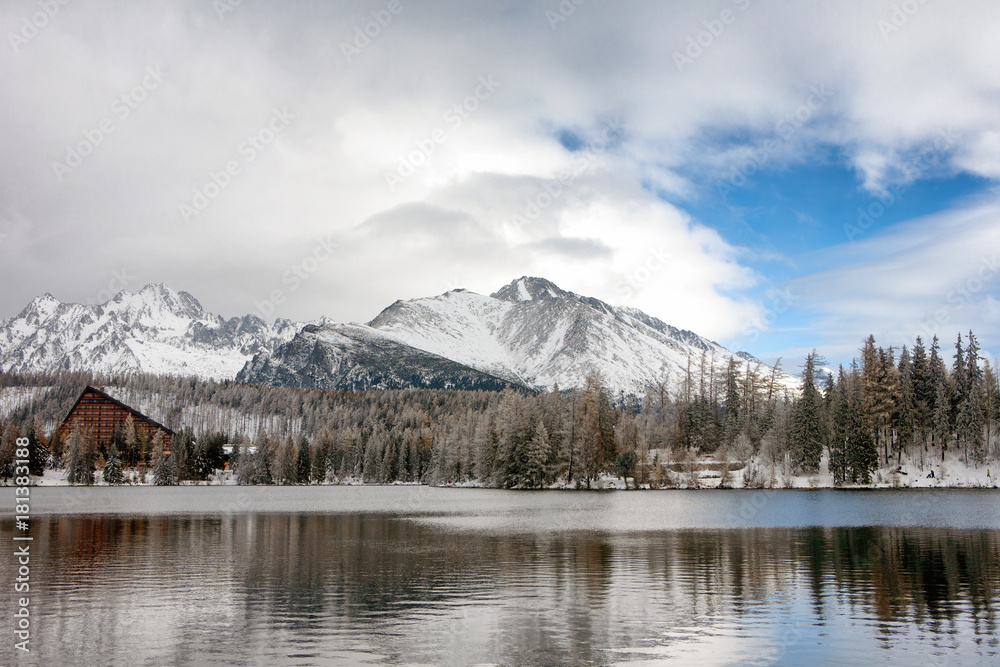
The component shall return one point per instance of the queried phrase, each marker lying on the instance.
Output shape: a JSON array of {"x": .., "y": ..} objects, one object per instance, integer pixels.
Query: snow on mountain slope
[
  {"x": 155, "y": 330},
  {"x": 533, "y": 332},
  {"x": 459, "y": 325},
  {"x": 529, "y": 333}
]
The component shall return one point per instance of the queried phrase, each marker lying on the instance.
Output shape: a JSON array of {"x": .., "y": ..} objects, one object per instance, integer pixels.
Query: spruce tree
[
  {"x": 942, "y": 414},
  {"x": 923, "y": 392},
  {"x": 164, "y": 469},
  {"x": 627, "y": 460},
  {"x": 971, "y": 409},
  {"x": 304, "y": 462},
  {"x": 113, "y": 468},
  {"x": 80, "y": 464},
  {"x": 904, "y": 418},
  {"x": 840, "y": 431},
  {"x": 732, "y": 412},
  {"x": 211, "y": 447},
  {"x": 941, "y": 405},
  {"x": 131, "y": 440},
  {"x": 262, "y": 461},
  {"x": 959, "y": 384},
  {"x": 536, "y": 458},
  {"x": 862, "y": 450},
  {"x": 807, "y": 434},
  {"x": 38, "y": 454},
  {"x": 991, "y": 398},
  {"x": 246, "y": 471},
  {"x": 8, "y": 449}
]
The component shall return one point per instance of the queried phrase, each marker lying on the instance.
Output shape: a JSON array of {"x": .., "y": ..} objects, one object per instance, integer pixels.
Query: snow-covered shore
[{"x": 702, "y": 474}]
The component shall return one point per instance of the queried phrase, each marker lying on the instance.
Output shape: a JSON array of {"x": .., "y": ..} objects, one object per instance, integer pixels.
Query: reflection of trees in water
[
  {"x": 425, "y": 591},
  {"x": 919, "y": 575}
]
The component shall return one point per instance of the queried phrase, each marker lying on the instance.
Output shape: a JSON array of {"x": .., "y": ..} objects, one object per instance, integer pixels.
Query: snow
[
  {"x": 530, "y": 332},
  {"x": 523, "y": 290},
  {"x": 544, "y": 342},
  {"x": 151, "y": 331},
  {"x": 14, "y": 398},
  {"x": 952, "y": 474}
]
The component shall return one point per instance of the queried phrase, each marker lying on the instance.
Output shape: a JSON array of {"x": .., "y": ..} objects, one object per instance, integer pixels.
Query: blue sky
[
  {"x": 785, "y": 218},
  {"x": 697, "y": 160}
]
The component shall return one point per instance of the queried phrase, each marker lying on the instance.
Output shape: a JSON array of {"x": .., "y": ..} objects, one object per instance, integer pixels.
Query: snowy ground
[{"x": 953, "y": 473}]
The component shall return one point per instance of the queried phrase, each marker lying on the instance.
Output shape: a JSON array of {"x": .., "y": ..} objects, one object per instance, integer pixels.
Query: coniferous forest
[{"x": 915, "y": 406}]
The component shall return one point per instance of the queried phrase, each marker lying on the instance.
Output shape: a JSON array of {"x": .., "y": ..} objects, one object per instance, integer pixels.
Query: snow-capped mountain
[
  {"x": 155, "y": 330},
  {"x": 530, "y": 333}
]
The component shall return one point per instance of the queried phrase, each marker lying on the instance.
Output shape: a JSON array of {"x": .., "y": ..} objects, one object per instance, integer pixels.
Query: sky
[{"x": 777, "y": 176}]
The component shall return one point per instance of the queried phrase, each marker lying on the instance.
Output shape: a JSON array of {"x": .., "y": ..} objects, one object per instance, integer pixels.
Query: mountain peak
[
  {"x": 41, "y": 307},
  {"x": 529, "y": 288},
  {"x": 158, "y": 297},
  {"x": 161, "y": 330}
]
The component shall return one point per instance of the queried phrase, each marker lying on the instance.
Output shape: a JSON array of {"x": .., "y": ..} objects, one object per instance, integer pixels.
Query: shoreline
[{"x": 606, "y": 485}]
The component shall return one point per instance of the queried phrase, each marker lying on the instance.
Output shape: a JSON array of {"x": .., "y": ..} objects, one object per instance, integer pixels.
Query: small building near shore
[{"x": 99, "y": 416}]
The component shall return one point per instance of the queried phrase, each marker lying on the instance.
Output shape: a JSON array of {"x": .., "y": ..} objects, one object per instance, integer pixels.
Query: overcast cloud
[{"x": 467, "y": 144}]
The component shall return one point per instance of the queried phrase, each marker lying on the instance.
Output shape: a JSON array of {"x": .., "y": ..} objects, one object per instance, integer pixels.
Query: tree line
[{"x": 886, "y": 408}]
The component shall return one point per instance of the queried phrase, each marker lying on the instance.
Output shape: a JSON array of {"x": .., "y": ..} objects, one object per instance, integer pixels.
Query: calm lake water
[{"x": 420, "y": 576}]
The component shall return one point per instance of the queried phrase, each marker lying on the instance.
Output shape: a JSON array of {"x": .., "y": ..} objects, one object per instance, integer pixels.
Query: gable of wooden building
[{"x": 98, "y": 415}]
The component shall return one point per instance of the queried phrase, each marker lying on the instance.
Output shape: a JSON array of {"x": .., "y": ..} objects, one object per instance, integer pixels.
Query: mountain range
[
  {"x": 529, "y": 334},
  {"x": 155, "y": 330}
]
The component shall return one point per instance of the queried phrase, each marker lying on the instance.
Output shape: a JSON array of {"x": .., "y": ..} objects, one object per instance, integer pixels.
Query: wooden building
[{"x": 98, "y": 415}]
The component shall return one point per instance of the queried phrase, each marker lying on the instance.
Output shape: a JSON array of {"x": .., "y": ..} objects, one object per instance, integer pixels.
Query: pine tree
[
  {"x": 38, "y": 454},
  {"x": 941, "y": 405},
  {"x": 516, "y": 431},
  {"x": 321, "y": 446},
  {"x": 840, "y": 430},
  {"x": 536, "y": 458},
  {"x": 8, "y": 449},
  {"x": 942, "y": 414},
  {"x": 164, "y": 469},
  {"x": 303, "y": 461},
  {"x": 732, "y": 406},
  {"x": 262, "y": 461},
  {"x": 923, "y": 393},
  {"x": 862, "y": 450},
  {"x": 113, "y": 468},
  {"x": 71, "y": 455},
  {"x": 596, "y": 423},
  {"x": 807, "y": 420},
  {"x": 991, "y": 408},
  {"x": 131, "y": 439},
  {"x": 246, "y": 471},
  {"x": 959, "y": 384},
  {"x": 80, "y": 464},
  {"x": 970, "y": 420},
  {"x": 284, "y": 467},
  {"x": 904, "y": 420},
  {"x": 625, "y": 465},
  {"x": 212, "y": 452}
]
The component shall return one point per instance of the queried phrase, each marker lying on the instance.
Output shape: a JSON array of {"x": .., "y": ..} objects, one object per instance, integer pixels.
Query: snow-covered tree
[
  {"x": 113, "y": 468},
  {"x": 164, "y": 469}
]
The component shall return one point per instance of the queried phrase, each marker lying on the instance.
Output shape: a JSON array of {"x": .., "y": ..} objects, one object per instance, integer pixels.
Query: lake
[{"x": 412, "y": 575}]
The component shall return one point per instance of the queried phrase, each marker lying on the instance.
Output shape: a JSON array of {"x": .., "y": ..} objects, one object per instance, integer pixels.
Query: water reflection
[{"x": 349, "y": 589}]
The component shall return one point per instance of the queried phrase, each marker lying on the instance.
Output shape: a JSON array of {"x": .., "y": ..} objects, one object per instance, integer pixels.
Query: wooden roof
[{"x": 112, "y": 399}]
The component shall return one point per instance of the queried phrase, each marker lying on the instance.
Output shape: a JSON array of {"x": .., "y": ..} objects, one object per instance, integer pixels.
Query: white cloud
[
  {"x": 936, "y": 275},
  {"x": 890, "y": 99}
]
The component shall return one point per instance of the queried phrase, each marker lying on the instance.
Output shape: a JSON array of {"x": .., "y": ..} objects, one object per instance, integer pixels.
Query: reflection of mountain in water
[{"x": 251, "y": 587}]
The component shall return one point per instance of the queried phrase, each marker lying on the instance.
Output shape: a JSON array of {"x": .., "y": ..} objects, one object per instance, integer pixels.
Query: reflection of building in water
[{"x": 98, "y": 417}]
